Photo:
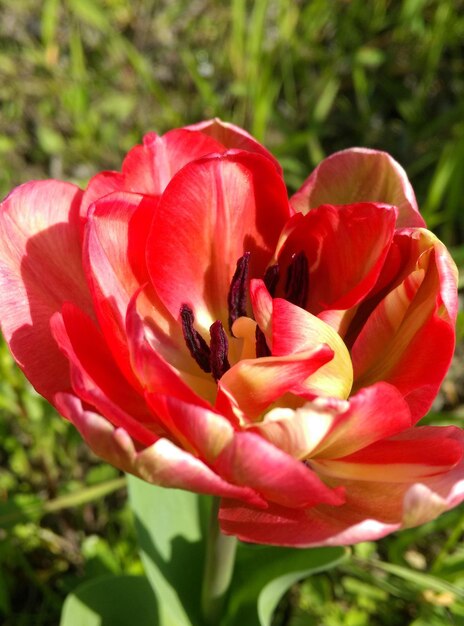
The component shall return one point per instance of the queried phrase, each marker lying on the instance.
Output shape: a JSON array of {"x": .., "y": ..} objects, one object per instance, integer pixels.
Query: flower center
[{"x": 213, "y": 358}]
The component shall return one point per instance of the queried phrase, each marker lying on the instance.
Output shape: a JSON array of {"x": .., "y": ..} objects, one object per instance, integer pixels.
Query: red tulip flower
[{"x": 203, "y": 332}]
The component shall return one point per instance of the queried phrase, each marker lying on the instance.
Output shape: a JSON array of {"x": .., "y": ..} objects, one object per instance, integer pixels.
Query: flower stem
[{"x": 219, "y": 567}]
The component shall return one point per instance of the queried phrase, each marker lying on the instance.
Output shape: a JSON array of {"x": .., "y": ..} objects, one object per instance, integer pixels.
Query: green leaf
[
  {"x": 111, "y": 601},
  {"x": 170, "y": 526},
  {"x": 264, "y": 573}
]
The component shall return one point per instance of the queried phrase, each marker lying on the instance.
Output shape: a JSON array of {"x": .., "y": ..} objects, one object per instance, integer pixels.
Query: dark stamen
[
  {"x": 262, "y": 349},
  {"x": 195, "y": 343},
  {"x": 271, "y": 278},
  {"x": 237, "y": 298},
  {"x": 219, "y": 348},
  {"x": 297, "y": 284}
]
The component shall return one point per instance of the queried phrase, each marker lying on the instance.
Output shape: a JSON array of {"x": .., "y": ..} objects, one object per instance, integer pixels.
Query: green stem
[{"x": 219, "y": 567}]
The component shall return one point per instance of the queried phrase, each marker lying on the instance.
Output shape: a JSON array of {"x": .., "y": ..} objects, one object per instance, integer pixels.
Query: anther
[
  {"x": 262, "y": 349},
  {"x": 271, "y": 278},
  {"x": 297, "y": 283},
  {"x": 219, "y": 349},
  {"x": 237, "y": 298},
  {"x": 197, "y": 346}
]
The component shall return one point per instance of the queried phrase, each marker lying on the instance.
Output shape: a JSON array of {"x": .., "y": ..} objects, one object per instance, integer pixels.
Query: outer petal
[
  {"x": 231, "y": 136},
  {"x": 328, "y": 428},
  {"x": 149, "y": 167},
  {"x": 114, "y": 258},
  {"x": 223, "y": 206},
  {"x": 40, "y": 268},
  {"x": 410, "y": 324},
  {"x": 372, "y": 509},
  {"x": 97, "y": 380},
  {"x": 162, "y": 463},
  {"x": 114, "y": 262},
  {"x": 414, "y": 454},
  {"x": 346, "y": 247},
  {"x": 252, "y": 461},
  {"x": 360, "y": 175},
  {"x": 201, "y": 430}
]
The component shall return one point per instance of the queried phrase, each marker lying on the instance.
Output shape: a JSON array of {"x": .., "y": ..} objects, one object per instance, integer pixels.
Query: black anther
[{"x": 197, "y": 346}]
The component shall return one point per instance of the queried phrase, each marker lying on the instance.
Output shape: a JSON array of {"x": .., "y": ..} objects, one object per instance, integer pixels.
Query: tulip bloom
[{"x": 204, "y": 332}]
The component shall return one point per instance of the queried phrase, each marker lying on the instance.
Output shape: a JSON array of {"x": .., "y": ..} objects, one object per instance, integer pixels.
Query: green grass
[{"x": 81, "y": 81}]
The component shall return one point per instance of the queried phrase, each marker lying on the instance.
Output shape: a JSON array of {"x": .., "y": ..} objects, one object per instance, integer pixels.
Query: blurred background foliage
[{"x": 80, "y": 82}]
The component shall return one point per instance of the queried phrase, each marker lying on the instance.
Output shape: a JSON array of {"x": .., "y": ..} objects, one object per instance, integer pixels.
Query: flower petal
[
  {"x": 223, "y": 206},
  {"x": 414, "y": 454},
  {"x": 294, "y": 330},
  {"x": 198, "y": 428},
  {"x": 40, "y": 268},
  {"x": 408, "y": 325},
  {"x": 149, "y": 167},
  {"x": 162, "y": 463},
  {"x": 253, "y": 384},
  {"x": 252, "y": 461},
  {"x": 360, "y": 175},
  {"x": 328, "y": 428},
  {"x": 346, "y": 247},
  {"x": 372, "y": 509},
  {"x": 95, "y": 377},
  {"x": 155, "y": 374},
  {"x": 231, "y": 136}
]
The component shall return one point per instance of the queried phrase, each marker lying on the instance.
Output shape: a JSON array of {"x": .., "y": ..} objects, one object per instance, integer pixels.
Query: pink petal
[
  {"x": 360, "y": 175},
  {"x": 98, "y": 187},
  {"x": 372, "y": 509},
  {"x": 162, "y": 463},
  {"x": 254, "y": 384},
  {"x": 149, "y": 167},
  {"x": 155, "y": 373},
  {"x": 328, "y": 428},
  {"x": 252, "y": 461},
  {"x": 223, "y": 206},
  {"x": 200, "y": 429},
  {"x": 96, "y": 378},
  {"x": 346, "y": 247},
  {"x": 414, "y": 454},
  {"x": 40, "y": 268},
  {"x": 231, "y": 136},
  {"x": 115, "y": 265},
  {"x": 410, "y": 324},
  {"x": 294, "y": 330}
]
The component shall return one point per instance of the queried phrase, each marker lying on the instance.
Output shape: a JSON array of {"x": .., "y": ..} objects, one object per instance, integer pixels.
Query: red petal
[
  {"x": 96, "y": 379},
  {"x": 346, "y": 247},
  {"x": 200, "y": 430},
  {"x": 414, "y": 454},
  {"x": 254, "y": 384},
  {"x": 360, "y": 175},
  {"x": 407, "y": 327},
  {"x": 372, "y": 509},
  {"x": 149, "y": 168},
  {"x": 162, "y": 463},
  {"x": 327, "y": 428},
  {"x": 232, "y": 136},
  {"x": 252, "y": 461},
  {"x": 40, "y": 268},
  {"x": 294, "y": 330},
  {"x": 213, "y": 211}
]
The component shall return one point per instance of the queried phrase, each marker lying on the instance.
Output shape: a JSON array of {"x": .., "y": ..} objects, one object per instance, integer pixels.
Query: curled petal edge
[{"x": 162, "y": 463}]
